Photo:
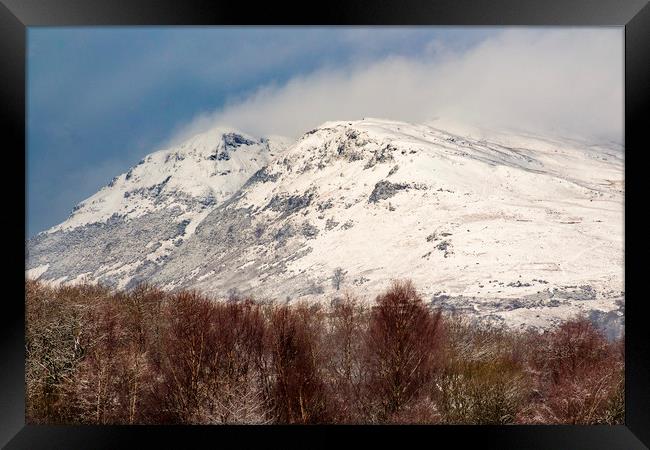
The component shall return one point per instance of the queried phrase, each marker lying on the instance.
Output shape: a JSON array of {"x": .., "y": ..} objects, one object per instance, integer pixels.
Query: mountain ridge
[{"x": 477, "y": 223}]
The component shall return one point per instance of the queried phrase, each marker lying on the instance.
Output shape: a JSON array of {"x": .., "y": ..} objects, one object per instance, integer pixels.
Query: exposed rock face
[{"x": 384, "y": 190}]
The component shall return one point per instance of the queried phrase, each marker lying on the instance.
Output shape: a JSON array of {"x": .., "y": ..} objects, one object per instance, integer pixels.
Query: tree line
[{"x": 146, "y": 356}]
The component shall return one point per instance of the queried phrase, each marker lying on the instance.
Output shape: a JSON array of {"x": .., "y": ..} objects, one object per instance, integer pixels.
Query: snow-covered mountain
[
  {"x": 132, "y": 225},
  {"x": 516, "y": 228}
]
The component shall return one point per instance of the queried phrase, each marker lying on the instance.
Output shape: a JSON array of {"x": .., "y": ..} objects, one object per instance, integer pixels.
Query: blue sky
[{"x": 101, "y": 98}]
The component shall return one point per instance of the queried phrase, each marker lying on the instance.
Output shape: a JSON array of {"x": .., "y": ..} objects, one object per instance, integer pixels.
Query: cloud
[{"x": 550, "y": 80}]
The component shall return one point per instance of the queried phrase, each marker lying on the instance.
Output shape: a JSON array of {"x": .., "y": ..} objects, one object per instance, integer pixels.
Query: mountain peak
[
  {"x": 489, "y": 223},
  {"x": 202, "y": 170}
]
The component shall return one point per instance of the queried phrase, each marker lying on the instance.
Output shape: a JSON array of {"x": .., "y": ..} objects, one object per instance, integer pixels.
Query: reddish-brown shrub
[
  {"x": 401, "y": 349},
  {"x": 145, "y": 356},
  {"x": 299, "y": 393},
  {"x": 346, "y": 369},
  {"x": 188, "y": 343},
  {"x": 238, "y": 390},
  {"x": 579, "y": 377}
]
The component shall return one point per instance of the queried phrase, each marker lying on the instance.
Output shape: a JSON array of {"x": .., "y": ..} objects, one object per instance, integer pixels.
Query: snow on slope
[
  {"x": 207, "y": 167},
  {"x": 520, "y": 229},
  {"x": 134, "y": 223}
]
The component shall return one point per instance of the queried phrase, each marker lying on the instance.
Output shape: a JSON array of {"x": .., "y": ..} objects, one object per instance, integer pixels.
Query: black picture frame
[{"x": 633, "y": 15}]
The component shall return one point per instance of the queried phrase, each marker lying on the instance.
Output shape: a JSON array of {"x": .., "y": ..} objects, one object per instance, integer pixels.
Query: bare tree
[
  {"x": 299, "y": 393},
  {"x": 401, "y": 343},
  {"x": 347, "y": 372},
  {"x": 99, "y": 356},
  {"x": 581, "y": 376},
  {"x": 337, "y": 278}
]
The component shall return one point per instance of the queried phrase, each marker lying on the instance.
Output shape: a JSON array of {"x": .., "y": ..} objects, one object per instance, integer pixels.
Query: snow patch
[{"x": 36, "y": 272}]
